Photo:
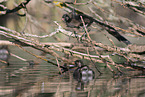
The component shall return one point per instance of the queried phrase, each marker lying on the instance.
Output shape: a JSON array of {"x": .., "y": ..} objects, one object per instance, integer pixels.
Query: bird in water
[{"x": 83, "y": 72}]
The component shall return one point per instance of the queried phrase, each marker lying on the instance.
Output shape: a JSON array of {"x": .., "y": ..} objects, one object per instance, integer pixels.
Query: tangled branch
[{"x": 86, "y": 47}]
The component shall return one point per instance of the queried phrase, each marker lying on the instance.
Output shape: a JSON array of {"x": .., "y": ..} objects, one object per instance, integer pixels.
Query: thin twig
[
  {"x": 58, "y": 65},
  {"x": 85, "y": 28}
]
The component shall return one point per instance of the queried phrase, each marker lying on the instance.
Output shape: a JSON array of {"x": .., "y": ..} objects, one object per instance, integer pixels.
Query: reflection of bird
[
  {"x": 83, "y": 72},
  {"x": 69, "y": 20},
  {"x": 79, "y": 63},
  {"x": 66, "y": 18},
  {"x": 75, "y": 21},
  {"x": 80, "y": 86},
  {"x": 4, "y": 53}
]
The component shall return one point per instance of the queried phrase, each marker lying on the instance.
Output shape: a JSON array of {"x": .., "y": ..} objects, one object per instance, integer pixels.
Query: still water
[{"x": 19, "y": 79}]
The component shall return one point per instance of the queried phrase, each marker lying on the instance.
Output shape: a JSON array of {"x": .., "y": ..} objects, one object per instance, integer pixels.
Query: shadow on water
[{"x": 19, "y": 79}]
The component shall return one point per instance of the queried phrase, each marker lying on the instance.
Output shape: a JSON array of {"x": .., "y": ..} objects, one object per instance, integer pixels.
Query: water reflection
[
  {"x": 83, "y": 74},
  {"x": 43, "y": 80},
  {"x": 4, "y": 54}
]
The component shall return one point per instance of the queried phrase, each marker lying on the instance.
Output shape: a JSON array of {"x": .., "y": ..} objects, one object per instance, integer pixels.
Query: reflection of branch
[
  {"x": 109, "y": 28},
  {"x": 54, "y": 47},
  {"x": 106, "y": 47},
  {"x": 134, "y": 28},
  {"x": 117, "y": 51},
  {"x": 23, "y": 41},
  {"x": 136, "y": 8},
  {"x": 20, "y": 6},
  {"x": 40, "y": 57}
]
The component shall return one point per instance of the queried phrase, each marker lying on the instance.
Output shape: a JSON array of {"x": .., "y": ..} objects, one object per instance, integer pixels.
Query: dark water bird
[
  {"x": 74, "y": 21},
  {"x": 83, "y": 73}
]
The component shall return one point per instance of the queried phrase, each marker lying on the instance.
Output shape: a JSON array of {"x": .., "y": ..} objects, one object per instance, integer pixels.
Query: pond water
[{"x": 19, "y": 79}]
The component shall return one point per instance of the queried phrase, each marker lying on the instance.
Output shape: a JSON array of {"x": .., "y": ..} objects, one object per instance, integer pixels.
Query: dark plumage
[
  {"x": 88, "y": 21},
  {"x": 83, "y": 72},
  {"x": 74, "y": 21}
]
